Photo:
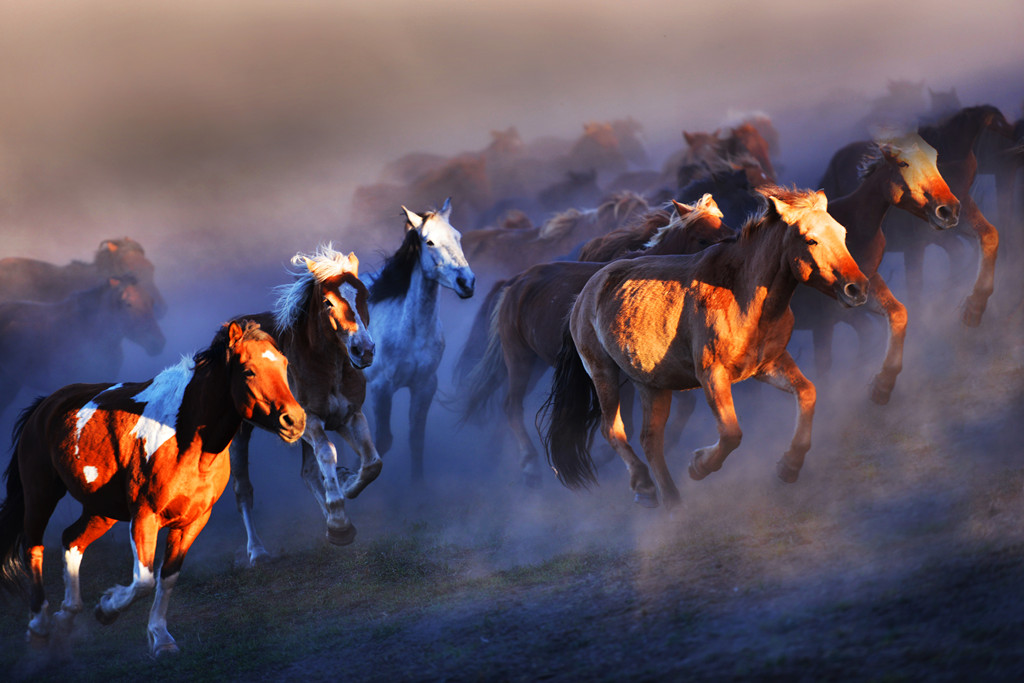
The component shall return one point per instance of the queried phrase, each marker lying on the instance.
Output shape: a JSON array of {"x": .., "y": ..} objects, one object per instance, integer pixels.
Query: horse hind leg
[
  {"x": 39, "y": 507},
  {"x": 520, "y": 380},
  {"x": 76, "y": 539},
  {"x": 356, "y": 433},
  {"x": 242, "y": 487},
  {"x": 656, "y": 406}
]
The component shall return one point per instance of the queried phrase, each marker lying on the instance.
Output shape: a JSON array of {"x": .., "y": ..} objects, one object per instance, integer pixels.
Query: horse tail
[
  {"x": 568, "y": 418},
  {"x": 13, "y": 567},
  {"x": 478, "y": 337},
  {"x": 489, "y": 373}
]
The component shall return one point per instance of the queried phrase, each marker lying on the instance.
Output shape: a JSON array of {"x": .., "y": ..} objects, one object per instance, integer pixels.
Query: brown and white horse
[
  {"x": 320, "y": 322},
  {"x": 151, "y": 453},
  {"x": 681, "y": 322}
]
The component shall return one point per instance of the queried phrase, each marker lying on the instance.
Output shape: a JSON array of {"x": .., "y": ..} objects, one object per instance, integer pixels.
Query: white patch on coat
[
  {"x": 90, "y": 473},
  {"x": 85, "y": 414},
  {"x": 162, "y": 401}
]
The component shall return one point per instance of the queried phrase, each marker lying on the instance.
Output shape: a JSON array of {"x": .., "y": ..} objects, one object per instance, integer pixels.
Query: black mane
[{"x": 393, "y": 280}]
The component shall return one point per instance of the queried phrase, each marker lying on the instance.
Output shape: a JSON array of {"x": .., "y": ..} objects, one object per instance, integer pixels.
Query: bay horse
[
  {"x": 25, "y": 279},
  {"x": 681, "y": 322},
  {"x": 896, "y": 171},
  {"x": 524, "y": 329},
  {"x": 46, "y": 345},
  {"x": 320, "y": 322},
  {"x": 151, "y": 453},
  {"x": 406, "y": 325}
]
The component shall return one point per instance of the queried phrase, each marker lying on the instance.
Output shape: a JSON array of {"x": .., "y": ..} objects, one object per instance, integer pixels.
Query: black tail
[
  {"x": 13, "y": 566},
  {"x": 480, "y": 383},
  {"x": 568, "y": 418}
]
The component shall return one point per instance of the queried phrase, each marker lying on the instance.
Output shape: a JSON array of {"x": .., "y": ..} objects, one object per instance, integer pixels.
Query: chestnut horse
[
  {"x": 406, "y": 322},
  {"x": 47, "y": 345},
  {"x": 151, "y": 453},
  {"x": 682, "y": 322},
  {"x": 24, "y": 279},
  {"x": 898, "y": 171},
  {"x": 320, "y": 322},
  {"x": 525, "y": 328}
]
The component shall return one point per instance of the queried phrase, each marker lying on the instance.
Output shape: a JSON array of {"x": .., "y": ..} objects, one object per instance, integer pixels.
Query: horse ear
[
  {"x": 310, "y": 263},
  {"x": 109, "y": 245},
  {"x": 352, "y": 263},
  {"x": 683, "y": 210},
  {"x": 114, "y": 282},
  {"x": 689, "y": 137},
  {"x": 235, "y": 333},
  {"x": 821, "y": 201},
  {"x": 446, "y": 210},
  {"x": 412, "y": 218},
  {"x": 784, "y": 210}
]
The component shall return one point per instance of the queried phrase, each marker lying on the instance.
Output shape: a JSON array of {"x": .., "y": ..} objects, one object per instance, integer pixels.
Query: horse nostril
[
  {"x": 287, "y": 420},
  {"x": 853, "y": 291}
]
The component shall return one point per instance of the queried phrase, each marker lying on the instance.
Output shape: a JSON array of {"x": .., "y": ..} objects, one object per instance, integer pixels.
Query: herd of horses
[{"x": 688, "y": 278}]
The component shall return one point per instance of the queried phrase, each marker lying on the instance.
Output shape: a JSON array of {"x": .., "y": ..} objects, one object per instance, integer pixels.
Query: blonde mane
[
  {"x": 292, "y": 298},
  {"x": 700, "y": 210},
  {"x": 796, "y": 198}
]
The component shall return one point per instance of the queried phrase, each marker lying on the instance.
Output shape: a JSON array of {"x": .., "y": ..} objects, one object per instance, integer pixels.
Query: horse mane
[
  {"x": 561, "y": 224},
  {"x": 700, "y": 210},
  {"x": 293, "y": 299},
  {"x": 613, "y": 209},
  {"x": 797, "y": 198},
  {"x": 217, "y": 352},
  {"x": 393, "y": 280}
]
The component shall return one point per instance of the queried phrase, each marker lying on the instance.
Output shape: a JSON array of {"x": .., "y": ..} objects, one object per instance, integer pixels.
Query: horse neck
[
  {"x": 861, "y": 212},
  {"x": 955, "y": 140},
  {"x": 207, "y": 419},
  {"x": 764, "y": 283},
  {"x": 90, "y": 318},
  {"x": 421, "y": 306}
]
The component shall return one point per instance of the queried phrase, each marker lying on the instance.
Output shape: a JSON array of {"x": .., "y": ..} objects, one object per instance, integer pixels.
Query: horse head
[
  {"x": 117, "y": 257},
  {"x": 133, "y": 311},
  {"x": 915, "y": 182},
  {"x": 815, "y": 244},
  {"x": 441, "y": 256},
  {"x": 258, "y": 377},
  {"x": 343, "y": 298},
  {"x": 700, "y": 225}
]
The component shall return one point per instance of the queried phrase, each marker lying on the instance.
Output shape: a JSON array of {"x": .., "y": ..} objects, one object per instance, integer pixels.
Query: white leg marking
[
  {"x": 118, "y": 597},
  {"x": 160, "y": 641}
]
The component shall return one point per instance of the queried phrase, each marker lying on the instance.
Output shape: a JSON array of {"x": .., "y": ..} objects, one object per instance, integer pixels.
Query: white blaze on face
[
  {"x": 349, "y": 293},
  {"x": 270, "y": 355},
  {"x": 85, "y": 414},
  {"x": 90, "y": 473},
  {"x": 162, "y": 400}
]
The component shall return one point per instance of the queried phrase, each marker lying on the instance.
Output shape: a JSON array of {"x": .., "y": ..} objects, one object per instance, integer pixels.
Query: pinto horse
[
  {"x": 682, "y": 322},
  {"x": 525, "y": 328},
  {"x": 24, "y": 279},
  {"x": 47, "y": 345},
  {"x": 151, "y": 453},
  {"x": 320, "y": 322},
  {"x": 897, "y": 171},
  {"x": 406, "y": 322}
]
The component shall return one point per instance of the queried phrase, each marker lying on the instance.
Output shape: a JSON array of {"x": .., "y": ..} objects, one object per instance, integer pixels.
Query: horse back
[{"x": 25, "y": 279}]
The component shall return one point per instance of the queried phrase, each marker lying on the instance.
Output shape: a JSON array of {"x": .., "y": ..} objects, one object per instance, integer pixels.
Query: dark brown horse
[
  {"x": 24, "y": 279},
  {"x": 46, "y": 345},
  {"x": 151, "y": 453},
  {"x": 524, "y": 330},
  {"x": 902, "y": 172},
  {"x": 320, "y": 322},
  {"x": 682, "y": 322}
]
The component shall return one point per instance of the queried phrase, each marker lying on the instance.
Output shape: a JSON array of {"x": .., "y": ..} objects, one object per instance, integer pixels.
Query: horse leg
[
  {"x": 822, "y": 334},
  {"x": 988, "y": 240},
  {"x": 178, "y": 543},
  {"x": 521, "y": 370},
  {"x": 356, "y": 433},
  {"x": 76, "y": 539},
  {"x": 883, "y": 301},
  {"x": 381, "y": 395},
  {"x": 913, "y": 267},
  {"x": 683, "y": 405},
  {"x": 718, "y": 392},
  {"x": 319, "y": 471},
  {"x": 422, "y": 393},
  {"x": 242, "y": 486},
  {"x": 39, "y": 506},
  {"x": 784, "y": 374},
  {"x": 145, "y": 528},
  {"x": 656, "y": 404}
]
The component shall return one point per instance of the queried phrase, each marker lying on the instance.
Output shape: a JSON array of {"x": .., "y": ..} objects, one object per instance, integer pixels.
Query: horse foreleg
[
  {"x": 784, "y": 374},
  {"x": 419, "y": 405},
  {"x": 178, "y": 543},
  {"x": 883, "y": 301},
  {"x": 822, "y": 335},
  {"x": 718, "y": 392},
  {"x": 242, "y": 486},
  {"x": 145, "y": 528},
  {"x": 913, "y": 268},
  {"x": 988, "y": 241},
  {"x": 319, "y": 470},
  {"x": 381, "y": 396},
  {"x": 683, "y": 404},
  {"x": 356, "y": 433},
  {"x": 656, "y": 404}
]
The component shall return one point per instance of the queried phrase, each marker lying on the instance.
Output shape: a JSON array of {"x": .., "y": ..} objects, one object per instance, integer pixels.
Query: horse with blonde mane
[
  {"x": 320, "y": 321},
  {"x": 681, "y": 322}
]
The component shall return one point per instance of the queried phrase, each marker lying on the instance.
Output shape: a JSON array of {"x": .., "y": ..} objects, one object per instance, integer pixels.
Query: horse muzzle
[
  {"x": 465, "y": 286},
  {"x": 852, "y": 294},
  {"x": 944, "y": 216},
  {"x": 291, "y": 424},
  {"x": 361, "y": 353}
]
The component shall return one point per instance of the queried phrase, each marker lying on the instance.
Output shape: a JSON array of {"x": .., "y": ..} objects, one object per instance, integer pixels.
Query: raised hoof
[
  {"x": 695, "y": 471},
  {"x": 647, "y": 500},
  {"x": 354, "y": 482},
  {"x": 104, "y": 617},
  {"x": 787, "y": 473},
  {"x": 344, "y": 536}
]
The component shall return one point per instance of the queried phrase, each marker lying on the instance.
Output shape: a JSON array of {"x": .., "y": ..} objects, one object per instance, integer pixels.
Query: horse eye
[
  {"x": 430, "y": 243},
  {"x": 248, "y": 373},
  {"x": 327, "y": 303},
  {"x": 904, "y": 164},
  {"x": 811, "y": 242}
]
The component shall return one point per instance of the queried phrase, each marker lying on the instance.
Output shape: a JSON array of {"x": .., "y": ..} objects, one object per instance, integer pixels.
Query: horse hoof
[
  {"x": 695, "y": 471},
  {"x": 166, "y": 649},
  {"x": 647, "y": 500},
  {"x": 880, "y": 395},
  {"x": 787, "y": 473},
  {"x": 972, "y": 315},
  {"x": 104, "y": 617},
  {"x": 343, "y": 536}
]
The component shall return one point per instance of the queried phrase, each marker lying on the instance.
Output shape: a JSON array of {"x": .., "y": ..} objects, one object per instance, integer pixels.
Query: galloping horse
[
  {"x": 152, "y": 453},
  {"x": 24, "y": 279},
  {"x": 682, "y": 322},
  {"x": 898, "y": 171},
  {"x": 319, "y": 321},
  {"x": 406, "y": 321},
  {"x": 525, "y": 328},
  {"x": 47, "y": 345}
]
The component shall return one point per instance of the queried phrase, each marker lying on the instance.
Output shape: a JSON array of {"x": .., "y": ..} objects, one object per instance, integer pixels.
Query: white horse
[{"x": 406, "y": 325}]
